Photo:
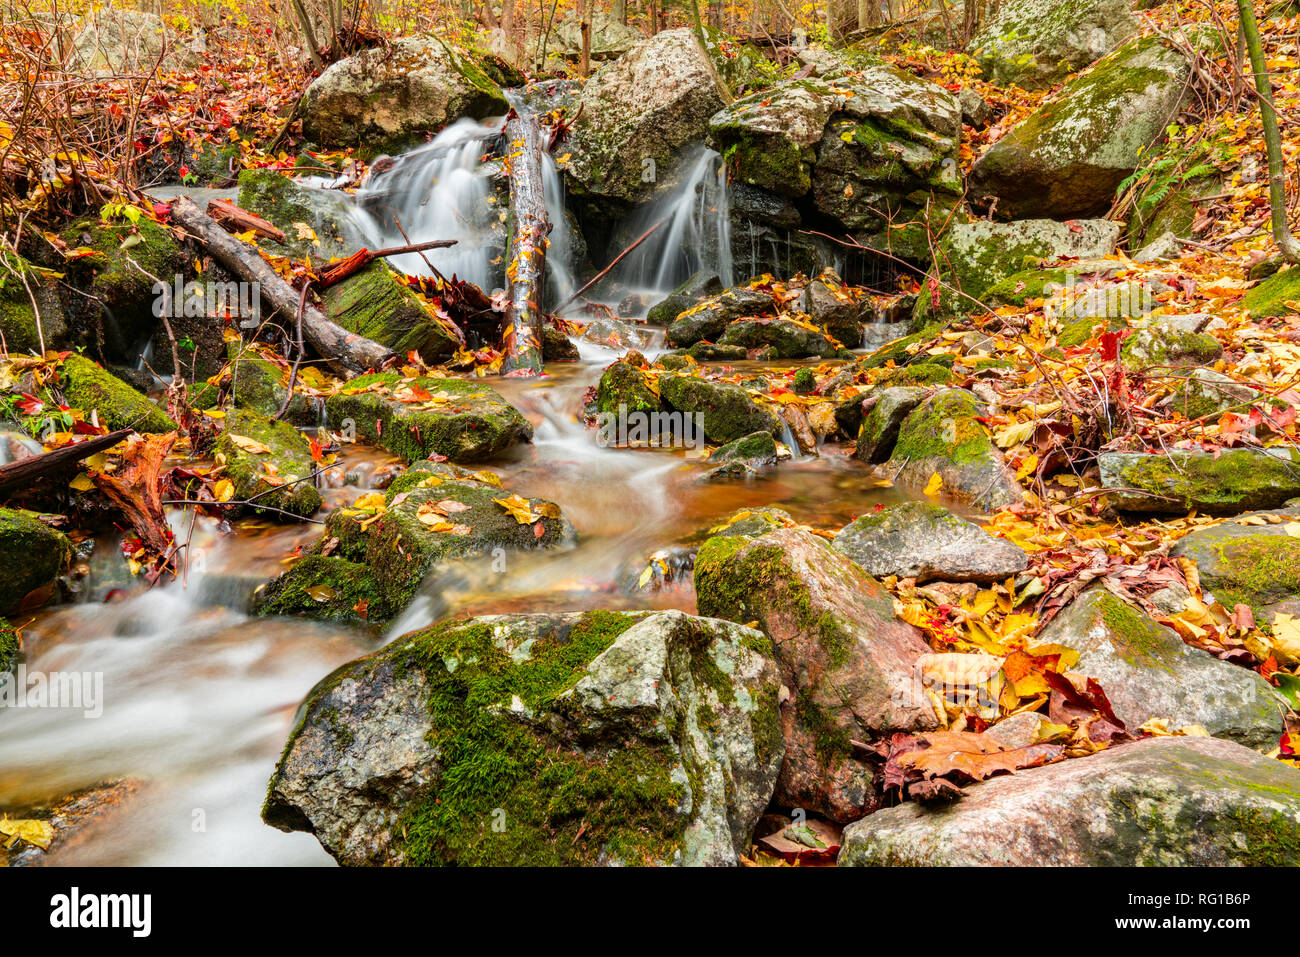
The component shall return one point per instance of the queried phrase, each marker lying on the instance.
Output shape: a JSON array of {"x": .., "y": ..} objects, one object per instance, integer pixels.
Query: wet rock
[
  {"x": 1160, "y": 801},
  {"x": 1237, "y": 480},
  {"x": 30, "y": 310},
  {"x": 745, "y": 456},
  {"x": 269, "y": 460},
  {"x": 32, "y": 557},
  {"x": 829, "y": 303},
  {"x": 384, "y": 98},
  {"x": 1067, "y": 157},
  {"x": 414, "y": 418},
  {"x": 942, "y": 435},
  {"x": 283, "y": 202},
  {"x": 1247, "y": 563},
  {"x": 375, "y": 304},
  {"x": 75, "y": 820},
  {"x": 623, "y": 388},
  {"x": 786, "y": 339},
  {"x": 1147, "y": 671},
  {"x": 432, "y": 514},
  {"x": 728, "y": 411},
  {"x": 927, "y": 542},
  {"x": 699, "y": 286},
  {"x": 573, "y": 739},
  {"x": 1035, "y": 44},
  {"x": 709, "y": 352},
  {"x": 558, "y": 347},
  {"x": 878, "y": 430},
  {"x": 10, "y": 647},
  {"x": 846, "y": 661},
  {"x": 642, "y": 109},
  {"x": 709, "y": 319},
  {"x": 617, "y": 334},
  {"x": 115, "y": 404}
]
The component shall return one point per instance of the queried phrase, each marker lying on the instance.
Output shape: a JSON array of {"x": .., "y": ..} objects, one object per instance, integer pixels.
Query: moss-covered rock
[
  {"x": 386, "y": 97},
  {"x": 375, "y": 304},
  {"x": 260, "y": 385},
  {"x": 416, "y": 418},
  {"x": 1174, "y": 801},
  {"x": 1271, "y": 296},
  {"x": 269, "y": 461},
  {"x": 728, "y": 411},
  {"x": 745, "y": 456},
  {"x": 29, "y": 309},
  {"x": 623, "y": 388},
  {"x": 87, "y": 386},
  {"x": 1068, "y": 156},
  {"x": 709, "y": 319},
  {"x": 573, "y": 739},
  {"x": 1163, "y": 346},
  {"x": 32, "y": 557},
  {"x": 943, "y": 436},
  {"x": 10, "y": 648},
  {"x": 785, "y": 339},
  {"x": 326, "y": 588},
  {"x": 275, "y": 197},
  {"x": 1035, "y": 44},
  {"x": 845, "y": 657},
  {"x": 1255, "y": 565},
  {"x": 699, "y": 286},
  {"x": 1205, "y": 392},
  {"x": 877, "y": 432},
  {"x": 1236, "y": 480}
]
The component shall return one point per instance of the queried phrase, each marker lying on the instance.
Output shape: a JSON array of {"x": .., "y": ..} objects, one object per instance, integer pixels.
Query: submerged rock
[
  {"x": 845, "y": 659},
  {"x": 375, "y": 304},
  {"x": 573, "y": 739},
  {"x": 1034, "y": 44},
  {"x": 1160, "y": 801},
  {"x": 418, "y": 417},
  {"x": 1236, "y": 480},
  {"x": 1147, "y": 671},
  {"x": 1068, "y": 156},
  {"x": 384, "y": 98},
  {"x": 270, "y": 461},
  {"x": 926, "y": 542},
  {"x": 32, "y": 557}
]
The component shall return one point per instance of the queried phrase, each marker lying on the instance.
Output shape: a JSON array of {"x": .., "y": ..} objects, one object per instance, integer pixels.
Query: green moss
[
  {"x": 129, "y": 258},
  {"x": 1233, "y": 481},
  {"x": 9, "y": 648},
  {"x": 623, "y": 388},
  {"x": 32, "y": 557},
  {"x": 1272, "y": 839},
  {"x": 278, "y": 479},
  {"x": 1162, "y": 346},
  {"x": 1075, "y": 334},
  {"x": 917, "y": 374},
  {"x": 375, "y": 304},
  {"x": 18, "y": 315},
  {"x": 1255, "y": 570},
  {"x": 897, "y": 351},
  {"x": 805, "y": 381},
  {"x": 1271, "y": 296},
  {"x": 729, "y": 413},
  {"x": 88, "y": 387},
  {"x": 510, "y": 793},
  {"x": 944, "y": 426},
  {"x": 1137, "y": 639},
  {"x": 326, "y": 588}
]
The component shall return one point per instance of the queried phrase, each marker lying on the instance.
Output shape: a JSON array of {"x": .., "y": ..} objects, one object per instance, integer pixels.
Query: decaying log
[
  {"x": 241, "y": 220},
  {"x": 526, "y": 255},
  {"x": 342, "y": 349},
  {"x": 25, "y": 471}
]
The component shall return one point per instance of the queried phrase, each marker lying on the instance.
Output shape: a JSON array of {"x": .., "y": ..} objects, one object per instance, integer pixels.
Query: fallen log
[
  {"x": 238, "y": 220},
  {"x": 344, "y": 350},
  {"x": 24, "y": 471},
  {"x": 526, "y": 254},
  {"x": 332, "y": 274}
]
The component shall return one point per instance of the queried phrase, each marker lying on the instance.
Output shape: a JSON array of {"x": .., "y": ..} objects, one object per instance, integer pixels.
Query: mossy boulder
[
  {"x": 387, "y": 97},
  {"x": 270, "y": 461},
  {"x": 1208, "y": 393},
  {"x": 416, "y": 418},
  {"x": 1245, "y": 563},
  {"x": 1067, "y": 158},
  {"x": 877, "y": 431},
  {"x": 1228, "y": 482},
  {"x": 1148, "y": 672},
  {"x": 277, "y": 198},
  {"x": 698, "y": 286},
  {"x": 1169, "y": 207},
  {"x": 623, "y": 388},
  {"x": 1271, "y": 296},
  {"x": 32, "y": 557},
  {"x": 260, "y": 385},
  {"x": 1172, "y": 801},
  {"x": 328, "y": 589},
  {"x": 786, "y": 339},
  {"x": 637, "y": 113},
  {"x": 29, "y": 309},
  {"x": 568, "y": 739},
  {"x": 927, "y": 542},
  {"x": 432, "y": 514},
  {"x": 87, "y": 386},
  {"x": 846, "y": 659},
  {"x": 1034, "y": 44},
  {"x": 375, "y": 304},
  {"x": 746, "y": 456},
  {"x": 709, "y": 319},
  {"x": 1163, "y": 346},
  {"x": 943, "y": 436},
  {"x": 728, "y": 411}
]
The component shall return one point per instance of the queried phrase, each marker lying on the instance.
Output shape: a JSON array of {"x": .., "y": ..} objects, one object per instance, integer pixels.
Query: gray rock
[
  {"x": 1147, "y": 671},
  {"x": 829, "y": 304},
  {"x": 975, "y": 110},
  {"x": 1163, "y": 345},
  {"x": 594, "y": 738},
  {"x": 745, "y": 456},
  {"x": 784, "y": 339},
  {"x": 1237, "y": 480},
  {"x": 878, "y": 430},
  {"x": 689, "y": 293},
  {"x": 1206, "y": 392},
  {"x": 927, "y": 542},
  {"x": 1017, "y": 731},
  {"x": 1244, "y": 562},
  {"x": 127, "y": 41},
  {"x": 1037, "y": 43},
  {"x": 709, "y": 319},
  {"x": 1164, "y": 246},
  {"x": 1160, "y": 801}
]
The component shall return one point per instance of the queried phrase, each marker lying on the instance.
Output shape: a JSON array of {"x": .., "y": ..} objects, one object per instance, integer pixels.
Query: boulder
[
  {"x": 609, "y": 36},
  {"x": 1271, "y": 296},
  {"x": 29, "y": 309},
  {"x": 569, "y": 739},
  {"x": 1162, "y": 346},
  {"x": 927, "y": 542},
  {"x": 637, "y": 113},
  {"x": 1147, "y": 671},
  {"x": 127, "y": 41},
  {"x": 32, "y": 557},
  {"x": 709, "y": 319},
  {"x": 1173, "y": 483},
  {"x": 115, "y": 405},
  {"x": 1208, "y": 393},
  {"x": 728, "y": 411},
  {"x": 1034, "y": 44},
  {"x": 387, "y": 97},
  {"x": 1160, "y": 801},
  {"x": 268, "y": 459},
  {"x": 261, "y": 386},
  {"x": 745, "y": 456},
  {"x": 1248, "y": 563},
  {"x": 786, "y": 339},
  {"x": 432, "y": 514},
  {"x": 846, "y": 661},
  {"x": 700, "y": 285},
  {"x": 418, "y": 417},
  {"x": 375, "y": 304},
  {"x": 623, "y": 388},
  {"x": 286, "y": 203},
  {"x": 943, "y": 436},
  {"x": 878, "y": 430},
  {"x": 829, "y": 303},
  {"x": 1067, "y": 157}
]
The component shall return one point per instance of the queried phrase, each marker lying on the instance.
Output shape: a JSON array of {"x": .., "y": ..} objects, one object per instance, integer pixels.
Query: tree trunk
[
  {"x": 526, "y": 257},
  {"x": 1286, "y": 243},
  {"x": 343, "y": 350}
]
